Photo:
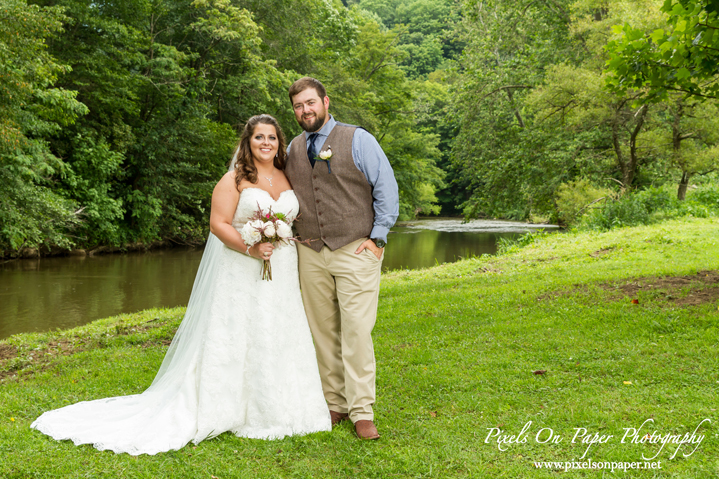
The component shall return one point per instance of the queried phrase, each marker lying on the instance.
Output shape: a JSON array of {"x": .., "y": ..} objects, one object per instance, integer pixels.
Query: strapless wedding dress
[{"x": 241, "y": 361}]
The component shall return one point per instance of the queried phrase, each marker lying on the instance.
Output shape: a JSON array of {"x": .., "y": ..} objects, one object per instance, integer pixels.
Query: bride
[{"x": 242, "y": 360}]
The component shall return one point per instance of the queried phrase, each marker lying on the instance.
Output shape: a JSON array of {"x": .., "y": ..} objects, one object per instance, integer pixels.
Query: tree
[
  {"x": 532, "y": 106},
  {"x": 165, "y": 82},
  {"x": 512, "y": 168},
  {"x": 32, "y": 110},
  {"x": 369, "y": 89},
  {"x": 682, "y": 56},
  {"x": 685, "y": 133},
  {"x": 127, "y": 144}
]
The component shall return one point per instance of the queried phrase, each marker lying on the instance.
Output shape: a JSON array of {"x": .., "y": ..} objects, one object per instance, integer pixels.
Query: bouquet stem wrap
[{"x": 266, "y": 270}]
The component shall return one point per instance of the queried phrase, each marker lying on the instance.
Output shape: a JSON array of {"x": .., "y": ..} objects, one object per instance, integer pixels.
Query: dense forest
[{"x": 118, "y": 117}]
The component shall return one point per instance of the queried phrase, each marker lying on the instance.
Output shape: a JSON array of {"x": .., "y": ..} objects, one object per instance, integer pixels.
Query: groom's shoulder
[
  {"x": 296, "y": 138},
  {"x": 361, "y": 136},
  {"x": 359, "y": 131}
]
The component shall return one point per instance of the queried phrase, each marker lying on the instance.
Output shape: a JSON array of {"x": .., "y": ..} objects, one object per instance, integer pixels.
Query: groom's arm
[{"x": 373, "y": 163}]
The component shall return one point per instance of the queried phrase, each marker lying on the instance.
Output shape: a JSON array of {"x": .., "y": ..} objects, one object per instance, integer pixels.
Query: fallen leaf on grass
[
  {"x": 433, "y": 413},
  {"x": 635, "y": 301},
  {"x": 627, "y": 382},
  {"x": 540, "y": 371}
]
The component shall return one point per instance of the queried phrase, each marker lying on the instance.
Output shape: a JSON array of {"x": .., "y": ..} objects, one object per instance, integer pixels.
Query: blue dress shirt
[{"x": 373, "y": 163}]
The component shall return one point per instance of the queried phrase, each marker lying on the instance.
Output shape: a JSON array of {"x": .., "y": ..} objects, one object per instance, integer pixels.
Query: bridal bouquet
[{"x": 267, "y": 228}]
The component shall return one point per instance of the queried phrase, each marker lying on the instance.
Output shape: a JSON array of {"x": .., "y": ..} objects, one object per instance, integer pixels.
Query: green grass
[{"x": 457, "y": 346}]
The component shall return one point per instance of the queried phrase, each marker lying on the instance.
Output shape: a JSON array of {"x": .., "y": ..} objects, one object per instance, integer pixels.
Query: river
[{"x": 64, "y": 292}]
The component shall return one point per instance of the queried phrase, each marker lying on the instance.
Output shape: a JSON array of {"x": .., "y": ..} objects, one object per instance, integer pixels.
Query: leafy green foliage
[
  {"x": 684, "y": 134},
  {"x": 574, "y": 197},
  {"x": 426, "y": 43},
  {"x": 681, "y": 56},
  {"x": 510, "y": 157},
  {"x": 427, "y": 32},
  {"x": 368, "y": 89},
  {"x": 159, "y": 90},
  {"x": 651, "y": 206},
  {"x": 31, "y": 110},
  {"x": 161, "y": 97},
  {"x": 534, "y": 112},
  {"x": 511, "y": 245}
]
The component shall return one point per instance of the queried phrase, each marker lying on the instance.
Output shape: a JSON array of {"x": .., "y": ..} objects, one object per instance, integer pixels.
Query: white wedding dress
[{"x": 242, "y": 360}]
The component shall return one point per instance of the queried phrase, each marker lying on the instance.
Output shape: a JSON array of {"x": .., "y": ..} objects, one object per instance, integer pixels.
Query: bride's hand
[{"x": 262, "y": 250}]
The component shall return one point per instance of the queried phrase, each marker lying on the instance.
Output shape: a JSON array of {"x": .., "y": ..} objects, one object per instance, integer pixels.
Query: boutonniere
[{"x": 326, "y": 156}]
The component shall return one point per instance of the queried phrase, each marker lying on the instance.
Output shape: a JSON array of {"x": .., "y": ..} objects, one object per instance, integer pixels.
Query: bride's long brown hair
[{"x": 245, "y": 165}]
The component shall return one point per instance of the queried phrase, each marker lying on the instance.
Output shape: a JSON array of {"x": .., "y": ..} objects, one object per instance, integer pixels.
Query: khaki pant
[{"x": 340, "y": 290}]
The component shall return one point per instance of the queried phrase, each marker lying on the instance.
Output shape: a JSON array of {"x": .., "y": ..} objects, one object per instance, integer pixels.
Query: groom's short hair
[{"x": 306, "y": 83}]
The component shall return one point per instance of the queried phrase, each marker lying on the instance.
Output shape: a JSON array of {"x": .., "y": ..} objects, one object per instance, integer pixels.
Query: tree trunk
[
  {"x": 620, "y": 156},
  {"x": 677, "y": 144},
  {"x": 633, "y": 158},
  {"x": 683, "y": 184},
  {"x": 516, "y": 112}
]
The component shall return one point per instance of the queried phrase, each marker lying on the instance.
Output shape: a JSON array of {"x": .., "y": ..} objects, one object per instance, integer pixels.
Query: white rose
[
  {"x": 250, "y": 235},
  {"x": 284, "y": 230},
  {"x": 326, "y": 155},
  {"x": 257, "y": 224},
  {"x": 269, "y": 229}
]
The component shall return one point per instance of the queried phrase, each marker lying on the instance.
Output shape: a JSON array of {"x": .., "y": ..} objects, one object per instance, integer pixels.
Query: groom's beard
[{"x": 313, "y": 123}]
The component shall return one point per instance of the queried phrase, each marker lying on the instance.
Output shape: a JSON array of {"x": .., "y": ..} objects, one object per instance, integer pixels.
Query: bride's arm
[{"x": 224, "y": 203}]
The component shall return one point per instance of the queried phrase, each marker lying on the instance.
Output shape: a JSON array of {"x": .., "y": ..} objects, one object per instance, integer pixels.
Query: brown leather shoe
[
  {"x": 366, "y": 430},
  {"x": 338, "y": 417}
]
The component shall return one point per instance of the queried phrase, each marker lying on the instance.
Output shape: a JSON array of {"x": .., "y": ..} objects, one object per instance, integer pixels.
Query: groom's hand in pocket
[{"x": 369, "y": 244}]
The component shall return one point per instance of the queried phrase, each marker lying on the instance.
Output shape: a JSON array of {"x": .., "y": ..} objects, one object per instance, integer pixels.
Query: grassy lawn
[{"x": 589, "y": 334}]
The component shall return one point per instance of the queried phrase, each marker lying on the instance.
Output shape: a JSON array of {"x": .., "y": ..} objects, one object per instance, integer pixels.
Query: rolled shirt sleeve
[{"x": 373, "y": 163}]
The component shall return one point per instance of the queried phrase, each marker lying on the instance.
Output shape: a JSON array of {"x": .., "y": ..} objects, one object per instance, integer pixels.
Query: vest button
[
  {"x": 317, "y": 189},
  {"x": 314, "y": 177},
  {"x": 319, "y": 213},
  {"x": 317, "y": 201},
  {"x": 321, "y": 225}
]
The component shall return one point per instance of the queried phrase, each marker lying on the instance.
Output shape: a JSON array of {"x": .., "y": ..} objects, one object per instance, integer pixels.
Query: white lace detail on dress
[{"x": 251, "y": 368}]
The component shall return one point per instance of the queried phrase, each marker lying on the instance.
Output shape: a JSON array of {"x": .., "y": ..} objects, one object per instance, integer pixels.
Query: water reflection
[
  {"x": 424, "y": 243},
  {"x": 49, "y": 293},
  {"x": 413, "y": 248}
]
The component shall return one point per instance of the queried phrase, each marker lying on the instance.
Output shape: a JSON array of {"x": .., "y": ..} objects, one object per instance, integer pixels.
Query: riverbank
[
  {"x": 33, "y": 253},
  {"x": 581, "y": 333}
]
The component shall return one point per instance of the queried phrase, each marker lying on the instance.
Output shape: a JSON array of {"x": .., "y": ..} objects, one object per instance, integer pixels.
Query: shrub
[
  {"x": 508, "y": 245},
  {"x": 573, "y": 197},
  {"x": 650, "y": 206}
]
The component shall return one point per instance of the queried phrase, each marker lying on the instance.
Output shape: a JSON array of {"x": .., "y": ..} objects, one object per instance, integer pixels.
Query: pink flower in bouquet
[{"x": 267, "y": 228}]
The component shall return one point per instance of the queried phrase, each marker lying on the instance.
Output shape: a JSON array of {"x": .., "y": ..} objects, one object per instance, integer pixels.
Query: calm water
[{"x": 49, "y": 293}]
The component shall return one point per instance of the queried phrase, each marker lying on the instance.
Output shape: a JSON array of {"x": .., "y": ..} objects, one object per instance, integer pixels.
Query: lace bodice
[{"x": 252, "y": 197}]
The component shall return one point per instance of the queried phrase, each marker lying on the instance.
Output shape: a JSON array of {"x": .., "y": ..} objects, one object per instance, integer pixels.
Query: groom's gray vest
[{"x": 335, "y": 208}]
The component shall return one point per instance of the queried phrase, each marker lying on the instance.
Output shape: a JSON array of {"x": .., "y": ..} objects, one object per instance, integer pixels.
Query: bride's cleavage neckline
[{"x": 270, "y": 194}]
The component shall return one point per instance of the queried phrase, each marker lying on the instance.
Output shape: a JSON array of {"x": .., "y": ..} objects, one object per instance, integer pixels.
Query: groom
[{"x": 348, "y": 202}]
